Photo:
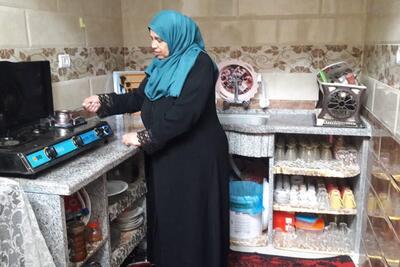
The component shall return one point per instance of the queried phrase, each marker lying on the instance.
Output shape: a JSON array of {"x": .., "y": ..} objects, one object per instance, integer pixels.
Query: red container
[{"x": 283, "y": 219}]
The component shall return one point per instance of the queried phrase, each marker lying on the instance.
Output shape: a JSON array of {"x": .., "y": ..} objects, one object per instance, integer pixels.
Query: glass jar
[
  {"x": 94, "y": 232},
  {"x": 76, "y": 241}
]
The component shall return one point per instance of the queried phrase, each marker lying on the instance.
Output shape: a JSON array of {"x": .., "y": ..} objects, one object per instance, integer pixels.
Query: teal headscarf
[{"x": 167, "y": 76}]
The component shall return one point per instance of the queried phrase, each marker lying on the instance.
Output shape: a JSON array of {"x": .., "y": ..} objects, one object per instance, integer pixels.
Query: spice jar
[
  {"x": 94, "y": 232},
  {"x": 76, "y": 241}
]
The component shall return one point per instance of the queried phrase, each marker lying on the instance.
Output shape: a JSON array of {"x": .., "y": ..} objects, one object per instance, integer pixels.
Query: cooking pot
[{"x": 63, "y": 116}]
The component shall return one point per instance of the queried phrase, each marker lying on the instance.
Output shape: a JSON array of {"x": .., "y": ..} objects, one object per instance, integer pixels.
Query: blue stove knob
[
  {"x": 50, "y": 152},
  {"x": 99, "y": 132},
  {"x": 77, "y": 140}
]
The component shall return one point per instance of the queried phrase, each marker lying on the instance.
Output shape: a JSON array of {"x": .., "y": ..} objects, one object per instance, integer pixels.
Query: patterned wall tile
[
  {"x": 287, "y": 59},
  {"x": 85, "y": 62},
  {"x": 352, "y": 55},
  {"x": 379, "y": 64}
]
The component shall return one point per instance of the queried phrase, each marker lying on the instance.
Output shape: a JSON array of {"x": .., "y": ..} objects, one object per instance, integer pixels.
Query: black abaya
[{"x": 187, "y": 171}]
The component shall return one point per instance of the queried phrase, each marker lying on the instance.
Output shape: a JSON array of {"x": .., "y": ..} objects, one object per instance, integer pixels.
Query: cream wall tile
[
  {"x": 70, "y": 94},
  {"x": 52, "y": 29},
  {"x": 369, "y": 94},
  {"x": 351, "y": 7},
  {"x": 48, "y": 5},
  {"x": 309, "y": 31},
  {"x": 281, "y": 7},
  {"x": 13, "y": 34},
  {"x": 224, "y": 7},
  {"x": 291, "y": 86},
  {"x": 93, "y": 7},
  {"x": 265, "y": 32},
  {"x": 135, "y": 32},
  {"x": 385, "y": 104},
  {"x": 193, "y": 8},
  {"x": 384, "y": 29},
  {"x": 350, "y": 30},
  {"x": 135, "y": 9},
  {"x": 70, "y": 6},
  {"x": 103, "y": 32},
  {"x": 225, "y": 33},
  {"x": 383, "y": 7},
  {"x": 328, "y": 6},
  {"x": 101, "y": 84},
  {"x": 112, "y": 8}
]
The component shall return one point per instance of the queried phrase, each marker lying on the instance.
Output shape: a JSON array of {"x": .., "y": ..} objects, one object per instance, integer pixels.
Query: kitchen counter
[
  {"x": 291, "y": 122},
  {"x": 68, "y": 177}
]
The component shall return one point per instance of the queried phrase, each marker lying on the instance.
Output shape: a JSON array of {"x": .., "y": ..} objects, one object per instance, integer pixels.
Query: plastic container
[
  {"x": 246, "y": 209},
  {"x": 94, "y": 232},
  {"x": 76, "y": 241}
]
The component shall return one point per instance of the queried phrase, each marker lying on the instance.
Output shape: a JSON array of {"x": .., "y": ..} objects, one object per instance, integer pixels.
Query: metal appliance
[
  {"x": 32, "y": 136},
  {"x": 237, "y": 83},
  {"x": 340, "y": 103}
]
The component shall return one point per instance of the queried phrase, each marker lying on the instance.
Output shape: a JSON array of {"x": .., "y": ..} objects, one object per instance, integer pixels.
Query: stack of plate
[{"x": 130, "y": 220}]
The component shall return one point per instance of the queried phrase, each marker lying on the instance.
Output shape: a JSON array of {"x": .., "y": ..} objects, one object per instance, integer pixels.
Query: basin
[{"x": 250, "y": 119}]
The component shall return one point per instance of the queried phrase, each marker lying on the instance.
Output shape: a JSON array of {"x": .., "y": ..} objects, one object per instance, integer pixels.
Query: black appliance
[{"x": 30, "y": 140}]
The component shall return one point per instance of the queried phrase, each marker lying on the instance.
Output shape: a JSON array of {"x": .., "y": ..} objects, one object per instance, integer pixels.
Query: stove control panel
[{"x": 69, "y": 146}]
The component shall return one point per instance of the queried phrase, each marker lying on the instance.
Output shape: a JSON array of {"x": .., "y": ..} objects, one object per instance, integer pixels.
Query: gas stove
[
  {"x": 36, "y": 147},
  {"x": 34, "y": 137}
]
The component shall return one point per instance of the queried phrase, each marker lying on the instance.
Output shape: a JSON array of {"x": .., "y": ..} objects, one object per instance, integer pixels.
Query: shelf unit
[
  {"x": 334, "y": 169},
  {"x": 105, "y": 210},
  {"x": 128, "y": 241},
  {"x": 289, "y": 208},
  {"x": 91, "y": 250},
  {"x": 135, "y": 191}
]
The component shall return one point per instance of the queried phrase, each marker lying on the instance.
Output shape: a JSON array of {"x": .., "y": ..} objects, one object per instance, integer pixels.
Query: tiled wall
[
  {"x": 286, "y": 40},
  {"x": 42, "y": 29},
  {"x": 382, "y": 77}
]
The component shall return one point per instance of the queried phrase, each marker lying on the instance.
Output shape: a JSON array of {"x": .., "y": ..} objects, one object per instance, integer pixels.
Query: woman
[{"x": 186, "y": 147}]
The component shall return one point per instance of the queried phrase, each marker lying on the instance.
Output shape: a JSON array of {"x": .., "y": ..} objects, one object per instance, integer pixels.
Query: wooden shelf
[
  {"x": 333, "y": 168},
  {"x": 92, "y": 248},
  {"x": 289, "y": 208},
  {"x": 125, "y": 200},
  {"x": 128, "y": 241}
]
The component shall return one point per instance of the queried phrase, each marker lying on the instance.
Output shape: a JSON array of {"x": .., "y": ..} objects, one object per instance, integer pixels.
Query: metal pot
[{"x": 63, "y": 116}]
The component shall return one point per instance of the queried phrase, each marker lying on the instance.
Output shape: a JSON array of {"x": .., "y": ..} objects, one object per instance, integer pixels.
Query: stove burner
[
  {"x": 8, "y": 141},
  {"x": 63, "y": 131},
  {"x": 66, "y": 119}
]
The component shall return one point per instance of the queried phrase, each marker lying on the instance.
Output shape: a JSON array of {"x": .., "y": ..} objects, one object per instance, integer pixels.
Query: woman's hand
[
  {"x": 91, "y": 103},
  {"x": 130, "y": 139}
]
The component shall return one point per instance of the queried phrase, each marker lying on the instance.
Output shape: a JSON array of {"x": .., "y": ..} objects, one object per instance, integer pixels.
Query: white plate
[{"x": 116, "y": 187}]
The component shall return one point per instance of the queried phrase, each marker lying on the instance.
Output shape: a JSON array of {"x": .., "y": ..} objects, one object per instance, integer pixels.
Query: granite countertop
[
  {"x": 291, "y": 121},
  {"x": 68, "y": 177}
]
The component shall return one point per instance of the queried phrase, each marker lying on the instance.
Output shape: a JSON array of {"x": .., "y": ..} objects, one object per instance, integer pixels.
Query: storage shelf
[
  {"x": 128, "y": 241},
  {"x": 134, "y": 192},
  {"x": 335, "y": 253},
  {"x": 92, "y": 248},
  {"x": 260, "y": 241},
  {"x": 289, "y": 208},
  {"x": 333, "y": 168}
]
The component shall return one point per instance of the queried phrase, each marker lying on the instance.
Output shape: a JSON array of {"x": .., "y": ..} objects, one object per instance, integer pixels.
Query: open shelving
[
  {"x": 289, "y": 208},
  {"x": 91, "y": 248},
  {"x": 135, "y": 191},
  {"x": 127, "y": 242}
]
